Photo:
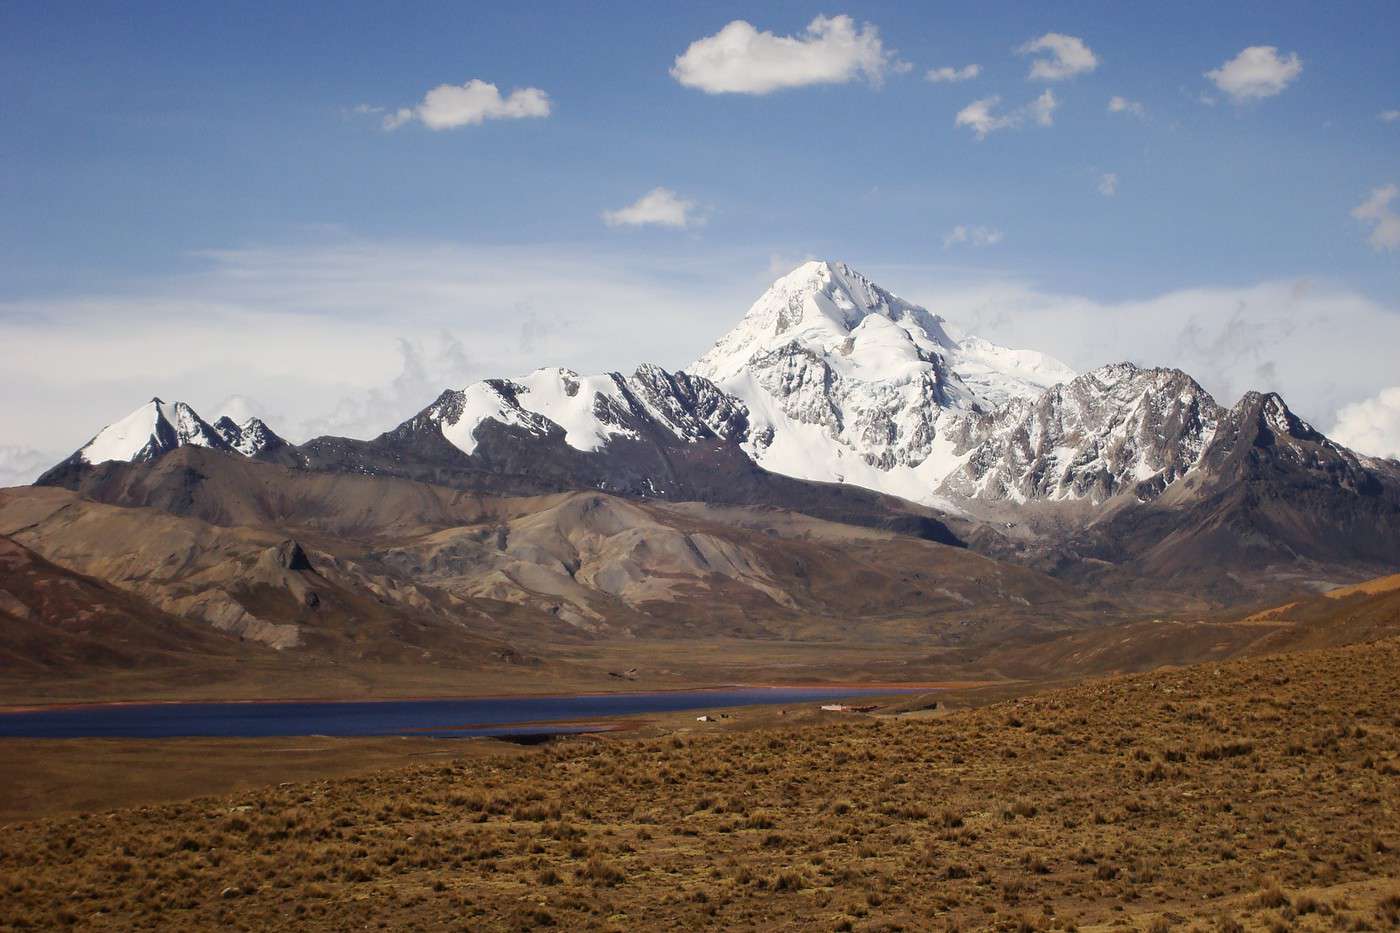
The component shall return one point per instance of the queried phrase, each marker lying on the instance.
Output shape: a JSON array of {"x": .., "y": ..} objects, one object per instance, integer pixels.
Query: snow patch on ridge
[
  {"x": 124, "y": 439},
  {"x": 481, "y": 401},
  {"x": 587, "y": 408}
]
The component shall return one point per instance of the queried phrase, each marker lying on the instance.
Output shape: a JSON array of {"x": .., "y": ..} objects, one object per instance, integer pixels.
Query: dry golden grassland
[
  {"x": 1257, "y": 794},
  {"x": 52, "y": 777}
]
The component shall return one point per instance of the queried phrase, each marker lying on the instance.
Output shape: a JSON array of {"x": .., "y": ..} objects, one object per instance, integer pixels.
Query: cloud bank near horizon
[{"x": 353, "y": 338}]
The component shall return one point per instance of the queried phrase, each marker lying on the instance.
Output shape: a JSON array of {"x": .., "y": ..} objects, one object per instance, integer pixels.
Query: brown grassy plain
[{"x": 1252, "y": 794}]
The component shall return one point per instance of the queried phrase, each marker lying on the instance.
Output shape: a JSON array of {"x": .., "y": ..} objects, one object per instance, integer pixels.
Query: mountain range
[{"x": 833, "y": 412}]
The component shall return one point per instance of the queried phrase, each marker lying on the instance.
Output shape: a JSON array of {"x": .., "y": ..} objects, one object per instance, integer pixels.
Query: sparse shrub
[
  {"x": 1226, "y": 750},
  {"x": 600, "y": 872},
  {"x": 789, "y": 881}
]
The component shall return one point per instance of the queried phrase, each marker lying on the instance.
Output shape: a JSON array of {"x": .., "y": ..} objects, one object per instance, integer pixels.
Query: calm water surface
[{"x": 489, "y": 716}]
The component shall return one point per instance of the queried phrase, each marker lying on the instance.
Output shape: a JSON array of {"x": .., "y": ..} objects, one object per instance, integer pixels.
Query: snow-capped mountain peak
[
  {"x": 848, "y": 382},
  {"x": 149, "y": 431},
  {"x": 818, "y": 306},
  {"x": 823, "y": 306},
  {"x": 159, "y": 427},
  {"x": 250, "y": 438}
]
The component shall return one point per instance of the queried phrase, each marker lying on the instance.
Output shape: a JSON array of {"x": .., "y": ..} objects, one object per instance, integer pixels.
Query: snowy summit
[
  {"x": 158, "y": 427},
  {"x": 847, "y": 382}
]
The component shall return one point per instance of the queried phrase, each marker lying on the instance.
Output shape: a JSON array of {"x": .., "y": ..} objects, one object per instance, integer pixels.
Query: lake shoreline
[
  {"x": 862, "y": 686},
  {"x": 475, "y": 716}
]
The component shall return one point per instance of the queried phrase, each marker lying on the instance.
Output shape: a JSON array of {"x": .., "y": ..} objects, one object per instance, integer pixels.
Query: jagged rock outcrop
[{"x": 1119, "y": 429}]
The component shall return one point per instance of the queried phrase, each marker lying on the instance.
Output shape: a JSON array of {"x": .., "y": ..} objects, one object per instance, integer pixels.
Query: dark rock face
[
  {"x": 253, "y": 438},
  {"x": 1270, "y": 503},
  {"x": 1291, "y": 493},
  {"x": 290, "y": 556}
]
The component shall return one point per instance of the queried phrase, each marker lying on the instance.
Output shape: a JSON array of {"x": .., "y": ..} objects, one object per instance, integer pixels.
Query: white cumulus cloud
[
  {"x": 659, "y": 207},
  {"x": 972, "y": 236},
  {"x": 1108, "y": 184},
  {"x": 449, "y": 106},
  {"x": 1068, "y": 56},
  {"x": 741, "y": 60},
  {"x": 950, "y": 75},
  {"x": 1118, "y": 104},
  {"x": 982, "y": 118},
  {"x": 980, "y": 115},
  {"x": 1257, "y": 72},
  {"x": 1371, "y": 426},
  {"x": 1385, "y": 234},
  {"x": 1389, "y": 116}
]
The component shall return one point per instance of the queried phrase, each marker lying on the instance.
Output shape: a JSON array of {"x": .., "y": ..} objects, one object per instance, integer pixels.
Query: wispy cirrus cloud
[
  {"x": 1134, "y": 108},
  {"x": 972, "y": 235},
  {"x": 1384, "y": 221}
]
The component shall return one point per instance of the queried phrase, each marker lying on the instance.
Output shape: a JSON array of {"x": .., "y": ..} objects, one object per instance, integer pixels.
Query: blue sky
[{"x": 165, "y": 155}]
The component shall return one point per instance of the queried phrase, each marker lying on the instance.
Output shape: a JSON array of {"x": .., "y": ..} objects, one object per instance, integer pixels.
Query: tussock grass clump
[{"x": 600, "y": 872}]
